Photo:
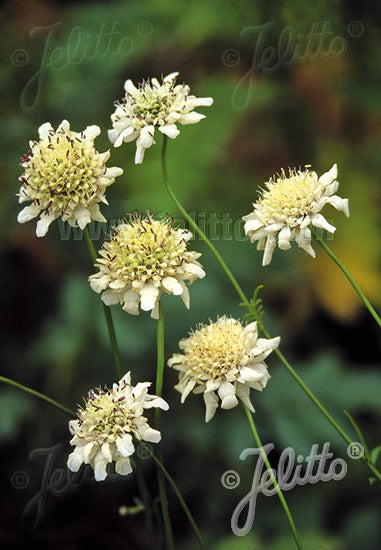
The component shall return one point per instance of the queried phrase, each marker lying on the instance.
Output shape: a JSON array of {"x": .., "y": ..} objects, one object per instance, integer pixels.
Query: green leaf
[{"x": 374, "y": 454}]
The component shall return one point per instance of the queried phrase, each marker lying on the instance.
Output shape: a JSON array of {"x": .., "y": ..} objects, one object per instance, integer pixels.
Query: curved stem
[
  {"x": 146, "y": 501},
  {"x": 158, "y": 391},
  {"x": 177, "y": 493},
  {"x": 362, "y": 296},
  {"x": 107, "y": 312},
  {"x": 272, "y": 477},
  {"x": 316, "y": 402},
  {"x": 251, "y": 309},
  {"x": 37, "y": 394},
  {"x": 194, "y": 225}
]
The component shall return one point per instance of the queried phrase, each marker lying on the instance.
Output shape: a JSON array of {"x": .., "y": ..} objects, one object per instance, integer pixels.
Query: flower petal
[
  {"x": 44, "y": 223},
  {"x": 125, "y": 445},
  {"x": 110, "y": 298},
  {"x": 169, "y": 130},
  {"x": 191, "y": 118},
  {"x": 329, "y": 177},
  {"x": 211, "y": 403},
  {"x": 123, "y": 466},
  {"x": 149, "y": 295},
  {"x": 28, "y": 213},
  {"x": 226, "y": 392},
  {"x": 74, "y": 461}
]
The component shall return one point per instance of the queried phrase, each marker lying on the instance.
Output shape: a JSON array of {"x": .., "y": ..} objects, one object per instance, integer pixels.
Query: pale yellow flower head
[
  {"x": 153, "y": 105},
  {"x": 224, "y": 357},
  {"x": 65, "y": 177},
  {"x": 107, "y": 424},
  {"x": 288, "y": 206},
  {"x": 144, "y": 258}
]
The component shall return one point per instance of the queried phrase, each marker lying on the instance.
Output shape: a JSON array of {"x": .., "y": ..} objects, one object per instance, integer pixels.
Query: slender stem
[
  {"x": 193, "y": 224},
  {"x": 160, "y": 358},
  {"x": 107, "y": 312},
  {"x": 251, "y": 309},
  {"x": 362, "y": 296},
  {"x": 177, "y": 493},
  {"x": 158, "y": 391},
  {"x": 272, "y": 477},
  {"x": 146, "y": 501},
  {"x": 316, "y": 402},
  {"x": 37, "y": 394}
]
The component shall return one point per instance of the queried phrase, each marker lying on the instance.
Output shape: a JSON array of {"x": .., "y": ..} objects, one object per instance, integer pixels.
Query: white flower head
[
  {"x": 289, "y": 205},
  {"x": 107, "y": 424},
  {"x": 144, "y": 258},
  {"x": 224, "y": 357},
  {"x": 65, "y": 177},
  {"x": 153, "y": 105}
]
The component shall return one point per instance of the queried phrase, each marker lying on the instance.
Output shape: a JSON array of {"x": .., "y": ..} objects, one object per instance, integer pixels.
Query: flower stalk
[
  {"x": 251, "y": 308},
  {"x": 37, "y": 394},
  {"x": 360, "y": 293},
  {"x": 272, "y": 477},
  {"x": 158, "y": 390},
  {"x": 106, "y": 311},
  {"x": 177, "y": 493}
]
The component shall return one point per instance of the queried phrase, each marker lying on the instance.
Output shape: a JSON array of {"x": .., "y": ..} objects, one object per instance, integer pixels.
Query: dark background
[{"x": 318, "y": 106}]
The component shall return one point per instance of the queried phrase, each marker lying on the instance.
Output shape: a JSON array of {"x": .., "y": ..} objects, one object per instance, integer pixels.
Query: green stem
[
  {"x": 194, "y": 225},
  {"x": 37, "y": 394},
  {"x": 177, "y": 493},
  {"x": 107, "y": 312},
  {"x": 316, "y": 402},
  {"x": 251, "y": 308},
  {"x": 272, "y": 477},
  {"x": 158, "y": 392},
  {"x": 362, "y": 296},
  {"x": 146, "y": 501}
]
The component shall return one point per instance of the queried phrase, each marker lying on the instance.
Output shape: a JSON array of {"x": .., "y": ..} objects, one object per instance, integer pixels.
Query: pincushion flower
[
  {"x": 65, "y": 177},
  {"x": 107, "y": 424},
  {"x": 153, "y": 105},
  {"x": 224, "y": 357},
  {"x": 144, "y": 258},
  {"x": 289, "y": 205}
]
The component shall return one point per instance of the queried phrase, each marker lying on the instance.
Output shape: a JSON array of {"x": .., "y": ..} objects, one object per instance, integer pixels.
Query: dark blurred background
[{"x": 293, "y": 84}]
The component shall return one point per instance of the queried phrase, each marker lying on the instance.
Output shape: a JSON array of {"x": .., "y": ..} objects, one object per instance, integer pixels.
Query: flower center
[
  {"x": 62, "y": 170},
  {"x": 151, "y": 104},
  {"x": 104, "y": 417},
  {"x": 144, "y": 250},
  {"x": 217, "y": 349},
  {"x": 289, "y": 198}
]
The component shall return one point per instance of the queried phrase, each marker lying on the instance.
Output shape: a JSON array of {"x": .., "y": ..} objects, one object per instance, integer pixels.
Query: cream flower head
[
  {"x": 65, "y": 177},
  {"x": 144, "y": 258},
  {"x": 289, "y": 205},
  {"x": 224, "y": 357},
  {"x": 153, "y": 104},
  {"x": 105, "y": 427}
]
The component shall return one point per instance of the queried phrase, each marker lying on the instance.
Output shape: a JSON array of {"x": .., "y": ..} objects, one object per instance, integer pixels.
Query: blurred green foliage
[{"x": 316, "y": 110}]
